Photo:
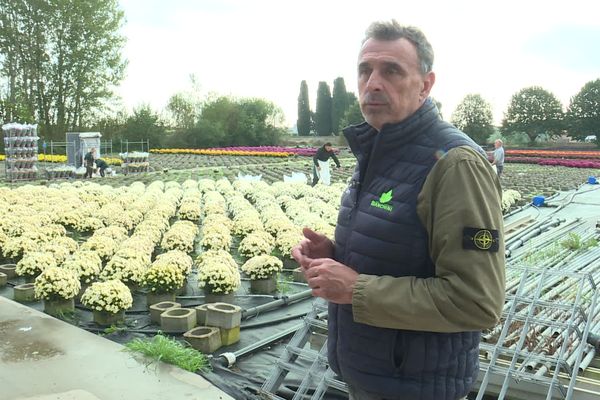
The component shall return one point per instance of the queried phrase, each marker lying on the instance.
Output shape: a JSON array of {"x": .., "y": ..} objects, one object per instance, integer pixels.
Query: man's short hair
[
  {"x": 392, "y": 30},
  {"x": 499, "y": 141},
  {"x": 328, "y": 144}
]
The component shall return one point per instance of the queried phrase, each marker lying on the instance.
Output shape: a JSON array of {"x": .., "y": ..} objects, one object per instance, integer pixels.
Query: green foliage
[
  {"x": 353, "y": 115},
  {"x": 534, "y": 111},
  {"x": 60, "y": 60},
  {"x": 339, "y": 104},
  {"x": 114, "y": 329},
  {"x": 323, "y": 113},
  {"x": 183, "y": 111},
  {"x": 303, "y": 122},
  {"x": 574, "y": 242},
  {"x": 583, "y": 115},
  {"x": 143, "y": 124},
  {"x": 227, "y": 121},
  {"x": 161, "y": 348},
  {"x": 474, "y": 117},
  {"x": 284, "y": 283},
  {"x": 536, "y": 256}
]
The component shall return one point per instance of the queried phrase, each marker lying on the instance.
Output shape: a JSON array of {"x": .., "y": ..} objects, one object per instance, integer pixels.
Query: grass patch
[{"x": 162, "y": 348}]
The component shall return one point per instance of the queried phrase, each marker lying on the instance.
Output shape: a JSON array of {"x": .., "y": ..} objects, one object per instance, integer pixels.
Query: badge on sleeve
[{"x": 480, "y": 239}]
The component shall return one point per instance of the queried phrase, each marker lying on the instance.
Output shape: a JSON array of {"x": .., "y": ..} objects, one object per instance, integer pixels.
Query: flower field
[{"x": 157, "y": 235}]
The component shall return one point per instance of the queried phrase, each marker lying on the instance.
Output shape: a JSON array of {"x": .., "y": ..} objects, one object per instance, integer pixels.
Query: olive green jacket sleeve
[{"x": 467, "y": 291}]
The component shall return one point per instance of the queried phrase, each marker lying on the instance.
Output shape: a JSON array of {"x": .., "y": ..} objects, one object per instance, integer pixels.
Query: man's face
[
  {"x": 391, "y": 86},
  {"x": 328, "y": 148},
  {"x": 496, "y": 144}
]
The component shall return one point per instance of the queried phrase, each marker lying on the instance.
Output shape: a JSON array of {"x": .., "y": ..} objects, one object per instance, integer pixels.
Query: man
[
  {"x": 417, "y": 267},
  {"x": 101, "y": 165},
  {"x": 321, "y": 164},
  {"x": 88, "y": 161},
  {"x": 498, "y": 157}
]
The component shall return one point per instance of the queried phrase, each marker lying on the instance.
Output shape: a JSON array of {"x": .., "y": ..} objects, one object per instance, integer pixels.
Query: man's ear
[{"x": 428, "y": 81}]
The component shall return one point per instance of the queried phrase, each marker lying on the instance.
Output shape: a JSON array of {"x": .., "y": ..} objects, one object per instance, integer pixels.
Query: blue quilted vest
[{"x": 388, "y": 239}]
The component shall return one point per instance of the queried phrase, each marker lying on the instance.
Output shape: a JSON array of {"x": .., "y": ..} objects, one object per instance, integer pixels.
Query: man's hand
[
  {"x": 331, "y": 280},
  {"x": 314, "y": 245}
]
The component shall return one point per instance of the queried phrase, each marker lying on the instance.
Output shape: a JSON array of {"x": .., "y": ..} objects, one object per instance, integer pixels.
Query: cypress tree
[
  {"x": 303, "y": 122},
  {"x": 323, "y": 112},
  {"x": 339, "y": 104}
]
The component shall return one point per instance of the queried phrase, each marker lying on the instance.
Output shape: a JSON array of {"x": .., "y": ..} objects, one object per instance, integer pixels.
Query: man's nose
[{"x": 375, "y": 82}]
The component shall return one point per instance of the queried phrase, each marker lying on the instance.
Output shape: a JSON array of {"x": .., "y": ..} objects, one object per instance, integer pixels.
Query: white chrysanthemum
[
  {"x": 35, "y": 262},
  {"x": 218, "y": 277},
  {"x": 56, "y": 283},
  {"x": 111, "y": 296},
  {"x": 262, "y": 267},
  {"x": 255, "y": 244},
  {"x": 162, "y": 278},
  {"x": 86, "y": 264},
  {"x": 178, "y": 258}
]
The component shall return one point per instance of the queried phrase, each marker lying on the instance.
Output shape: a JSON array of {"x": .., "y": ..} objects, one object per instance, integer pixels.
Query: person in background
[
  {"x": 101, "y": 165},
  {"x": 88, "y": 161},
  {"x": 498, "y": 160},
  {"x": 416, "y": 269},
  {"x": 321, "y": 164}
]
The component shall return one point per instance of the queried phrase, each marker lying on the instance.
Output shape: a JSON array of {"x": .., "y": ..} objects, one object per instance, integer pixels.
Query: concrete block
[
  {"x": 9, "y": 270},
  {"x": 201, "y": 314},
  {"x": 230, "y": 336},
  {"x": 3, "y": 279},
  {"x": 206, "y": 339},
  {"x": 159, "y": 308},
  {"x": 24, "y": 293},
  {"x": 223, "y": 315},
  {"x": 178, "y": 320}
]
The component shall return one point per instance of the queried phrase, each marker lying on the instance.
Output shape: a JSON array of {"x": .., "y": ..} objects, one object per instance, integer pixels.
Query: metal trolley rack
[{"x": 21, "y": 149}]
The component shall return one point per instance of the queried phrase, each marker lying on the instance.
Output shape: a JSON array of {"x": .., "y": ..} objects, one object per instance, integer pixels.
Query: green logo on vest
[{"x": 385, "y": 198}]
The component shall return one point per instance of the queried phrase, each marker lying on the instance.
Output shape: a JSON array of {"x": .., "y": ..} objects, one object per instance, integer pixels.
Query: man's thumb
[{"x": 312, "y": 235}]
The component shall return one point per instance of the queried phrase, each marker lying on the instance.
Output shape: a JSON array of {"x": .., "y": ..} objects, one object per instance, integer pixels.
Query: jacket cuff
[{"x": 360, "y": 299}]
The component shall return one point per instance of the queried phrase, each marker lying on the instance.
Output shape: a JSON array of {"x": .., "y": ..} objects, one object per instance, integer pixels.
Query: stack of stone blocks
[{"x": 206, "y": 327}]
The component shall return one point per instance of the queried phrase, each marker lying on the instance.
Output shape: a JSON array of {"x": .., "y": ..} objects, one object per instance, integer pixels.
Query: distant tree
[
  {"x": 226, "y": 121},
  {"x": 183, "y": 111},
  {"x": 339, "y": 104},
  {"x": 353, "y": 115},
  {"x": 534, "y": 111},
  {"x": 144, "y": 124},
  {"x": 323, "y": 111},
  {"x": 583, "y": 115},
  {"x": 303, "y": 122},
  {"x": 473, "y": 116},
  {"x": 59, "y": 60}
]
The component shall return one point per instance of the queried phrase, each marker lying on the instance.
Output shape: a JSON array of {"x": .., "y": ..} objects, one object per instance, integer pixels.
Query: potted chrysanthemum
[
  {"x": 262, "y": 271},
  {"x": 162, "y": 280},
  {"x": 219, "y": 277},
  {"x": 57, "y": 287},
  {"x": 108, "y": 301},
  {"x": 256, "y": 244},
  {"x": 33, "y": 263}
]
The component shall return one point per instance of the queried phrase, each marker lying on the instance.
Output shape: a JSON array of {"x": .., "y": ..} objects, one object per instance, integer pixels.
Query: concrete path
[{"x": 43, "y": 358}]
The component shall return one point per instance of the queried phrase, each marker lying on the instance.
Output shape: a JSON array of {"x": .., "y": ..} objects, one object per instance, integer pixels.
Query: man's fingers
[{"x": 312, "y": 235}]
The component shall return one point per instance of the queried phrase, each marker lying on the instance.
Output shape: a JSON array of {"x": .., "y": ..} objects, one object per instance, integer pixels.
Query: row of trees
[
  {"x": 61, "y": 59},
  {"x": 333, "y": 111},
  {"x": 534, "y": 112}
]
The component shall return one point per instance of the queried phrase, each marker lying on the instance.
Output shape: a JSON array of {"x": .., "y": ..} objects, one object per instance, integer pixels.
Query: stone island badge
[
  {"x": 383, "y": 201},
  {"x": 480, "y": 239}
]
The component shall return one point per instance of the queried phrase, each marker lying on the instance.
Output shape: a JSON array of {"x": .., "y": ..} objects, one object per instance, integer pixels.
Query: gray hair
[{"x": 392, "y": 30}]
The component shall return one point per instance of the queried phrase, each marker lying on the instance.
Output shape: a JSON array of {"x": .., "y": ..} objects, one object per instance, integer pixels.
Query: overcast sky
[{"x": 265, "y": 48}]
